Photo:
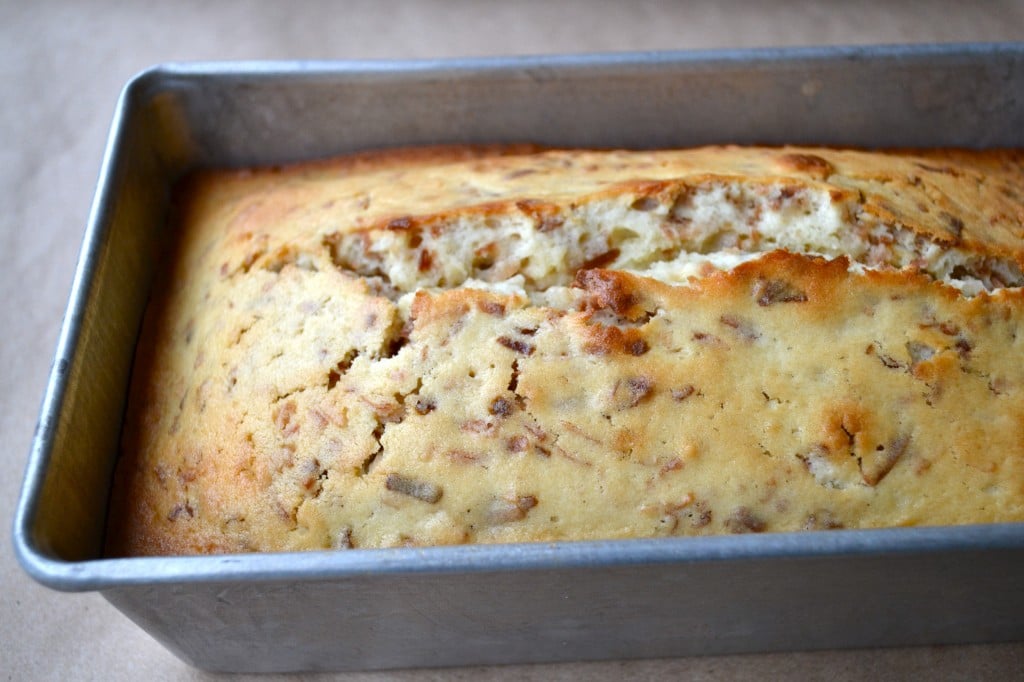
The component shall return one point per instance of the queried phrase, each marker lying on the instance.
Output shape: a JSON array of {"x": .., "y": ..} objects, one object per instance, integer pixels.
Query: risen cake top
[{"x": 504, "y": 344}]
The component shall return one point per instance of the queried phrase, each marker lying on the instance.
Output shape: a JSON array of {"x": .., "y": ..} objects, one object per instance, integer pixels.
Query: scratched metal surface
[{"x": 460, "y": 605}]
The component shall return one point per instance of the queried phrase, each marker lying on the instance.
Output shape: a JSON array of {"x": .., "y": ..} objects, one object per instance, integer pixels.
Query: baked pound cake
[{"x": 505, "y": 344}]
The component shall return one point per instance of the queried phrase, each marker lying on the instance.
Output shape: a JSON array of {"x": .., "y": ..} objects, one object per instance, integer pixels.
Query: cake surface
[{"x": 505, "y": 344}]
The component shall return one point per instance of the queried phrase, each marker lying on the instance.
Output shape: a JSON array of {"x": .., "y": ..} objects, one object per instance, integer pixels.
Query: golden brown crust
[
  {"x": 345, "y": 354},
  {"x": 952, "y": 196}
]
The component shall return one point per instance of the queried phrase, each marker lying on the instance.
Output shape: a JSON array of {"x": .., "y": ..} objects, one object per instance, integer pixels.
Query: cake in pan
[{"x": 506, "y": 344}]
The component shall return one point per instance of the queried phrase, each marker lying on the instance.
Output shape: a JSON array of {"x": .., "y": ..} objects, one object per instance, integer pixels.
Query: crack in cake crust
[{"x": 679, "y": 232}]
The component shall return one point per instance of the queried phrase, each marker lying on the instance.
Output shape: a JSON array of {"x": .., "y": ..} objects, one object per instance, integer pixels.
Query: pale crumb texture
[{"x": 506, "y": 344}]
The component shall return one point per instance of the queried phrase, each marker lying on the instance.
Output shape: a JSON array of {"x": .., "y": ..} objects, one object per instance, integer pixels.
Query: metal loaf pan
[{"x": 365, "y": 609}]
